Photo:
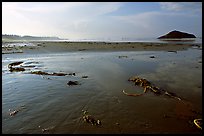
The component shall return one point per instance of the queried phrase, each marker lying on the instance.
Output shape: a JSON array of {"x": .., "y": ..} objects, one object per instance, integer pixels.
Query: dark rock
[
  {"x": 72, "y": 83},
  {"x": 74, "y": 74},
  {"x": 122, "y": 56},
  {"x": 152, "y": 56},
  {"x": 58, "y": 74},
  {"x": 84, "y": 76},
  {"x": 45, "y": 73},
  {"x": 173, "y": 51},
  {"x": 39, "y": 73},
  {"x": 81, "y": 49},
  {"x": 16, "y": 69},
  {"x": 15, "y": 64},
  {"x": 177, "y": 34}
]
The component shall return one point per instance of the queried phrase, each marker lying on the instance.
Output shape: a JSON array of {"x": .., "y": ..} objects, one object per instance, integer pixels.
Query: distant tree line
[{"x": 26, "y": 37}]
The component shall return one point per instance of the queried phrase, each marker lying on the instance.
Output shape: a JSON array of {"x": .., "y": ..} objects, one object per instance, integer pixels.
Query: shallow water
[{"x": 48, "y": 102}]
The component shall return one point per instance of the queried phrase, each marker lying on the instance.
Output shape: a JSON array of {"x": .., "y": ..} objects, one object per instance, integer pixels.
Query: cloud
[
  {"x": 40, "y": 7},
  {"x": 95, "y": 19},
  {"x": 53, "y": 17},
  {"x": 181, "y": 6},
  {"x": 76, "y": 8}
]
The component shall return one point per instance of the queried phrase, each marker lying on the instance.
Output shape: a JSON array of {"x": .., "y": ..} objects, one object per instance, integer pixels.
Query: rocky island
[{"x": 177, "y": 35}]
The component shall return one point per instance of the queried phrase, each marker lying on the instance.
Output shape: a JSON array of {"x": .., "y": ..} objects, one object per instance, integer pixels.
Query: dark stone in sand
[
  {"x": 39, "y": 73},
  {"x": 81, "y": 49},
  {"x": 72, "y": 83},
  {"x": 12, "y": 69},
  {"x": 16, "y": 69},
  {"x": 45, "y": 73},
  {"x": 72, "y": 74},
  {"x": 122, "y": 56},
  {"x": 173, "y": 51},
  {"x": 177, "y": 34},
  {"x": 15, "y": 64},
  {"x": 152, "y": 56},
  {"x": 58, "y": 74},
  {"x": 84, "y": 76}
]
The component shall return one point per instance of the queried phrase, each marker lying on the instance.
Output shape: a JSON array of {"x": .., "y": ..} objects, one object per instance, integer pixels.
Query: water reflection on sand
[{"x": 52, "y": 103}]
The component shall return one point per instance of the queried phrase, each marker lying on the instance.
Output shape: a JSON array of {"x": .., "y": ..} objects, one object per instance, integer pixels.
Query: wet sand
[
  {"x": 48, "y": 103},
  {"x": 43, "y": 47}
]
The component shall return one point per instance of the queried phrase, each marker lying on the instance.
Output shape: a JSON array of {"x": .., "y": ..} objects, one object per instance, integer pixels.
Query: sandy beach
[
  {"x": 43, "y": 47},
  {"x": 61, "y": 80}
]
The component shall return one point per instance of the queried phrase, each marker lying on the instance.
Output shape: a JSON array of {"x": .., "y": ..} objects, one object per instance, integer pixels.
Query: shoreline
[{"x": 50, "y": 46}]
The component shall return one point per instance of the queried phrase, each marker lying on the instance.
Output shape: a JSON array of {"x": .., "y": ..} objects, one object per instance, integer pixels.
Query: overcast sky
[{"x": 101, "y": 20}]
